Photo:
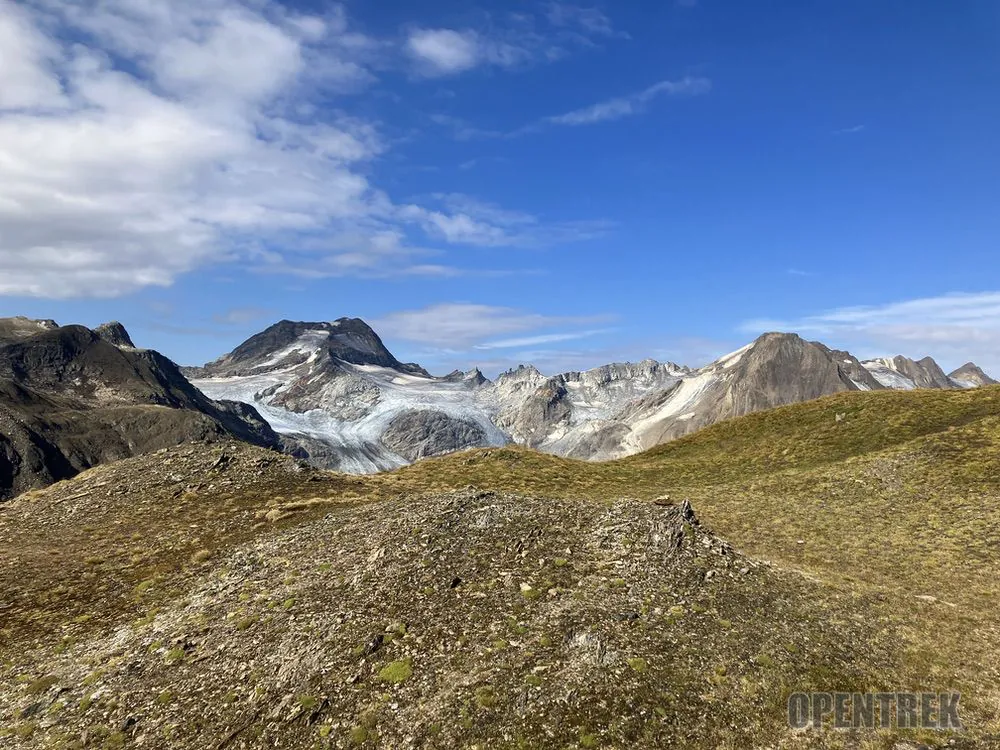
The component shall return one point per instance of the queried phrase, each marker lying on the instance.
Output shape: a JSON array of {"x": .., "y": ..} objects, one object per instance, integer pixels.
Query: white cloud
[
  {"x": 141, "y": 139},
  {"x": 459, "y": 326},
  {"x": 519, "y": 41},
  {"x": 545, "y": 338},
  {"x": 444, "y": 51},
  {"x": 954, "y": 328},
  {"x": 27, "y": 61},
  {"x": 625, "y": 106}
]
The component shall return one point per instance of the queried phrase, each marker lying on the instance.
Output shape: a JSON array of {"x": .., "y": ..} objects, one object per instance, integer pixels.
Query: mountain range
[
  {"x": 345, "y": 402},
  {"x": 332, "y": 394}
]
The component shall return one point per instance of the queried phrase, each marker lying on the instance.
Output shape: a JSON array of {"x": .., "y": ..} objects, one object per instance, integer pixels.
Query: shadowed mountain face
[{"x": 71, "y": 398}]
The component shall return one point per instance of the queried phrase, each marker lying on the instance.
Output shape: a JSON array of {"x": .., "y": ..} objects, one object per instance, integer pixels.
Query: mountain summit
[{"x": 287, "y": 343}]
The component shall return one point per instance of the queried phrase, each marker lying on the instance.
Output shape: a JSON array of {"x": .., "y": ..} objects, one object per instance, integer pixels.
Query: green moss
[
  {"x": 486, "y": 697},
  {"x": 143, "y": 587},
  {"x": 174, "y": 656},
  {"x": 164, "y": 698},
  {"x": 360, "y": 735},
  {"x": 42, "y": 685},
  {"x": 202, "y": 555},
  {"x": 246, "y": 622},
  {"x": 396, "y": 672},
  {"x": 93, "y": 677},
  {"x": 638, "y": 664},
  {"x": 765, "y": 661},
  {"x": 307, "y": 702}
]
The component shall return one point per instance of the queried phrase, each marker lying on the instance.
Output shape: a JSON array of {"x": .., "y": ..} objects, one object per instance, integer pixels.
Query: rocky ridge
[{"x": 71, "y": 398}]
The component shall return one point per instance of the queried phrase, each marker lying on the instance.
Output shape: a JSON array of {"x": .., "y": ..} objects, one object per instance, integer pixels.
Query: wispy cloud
[
  {"x": 798, "y": 272},
  {"x": 464, "y": 220},
  {"x": 465, "y": 326},
  {"x": 587, "y": 19},
  {"x": 626, "y": 106},
  {"x": 954, "y": 327},
  {"x": 518, "y": 41},
  {"x": 604, "y": 111},
  {"x": 850, "y": 130},
  {"x": 547, "y": 338}
]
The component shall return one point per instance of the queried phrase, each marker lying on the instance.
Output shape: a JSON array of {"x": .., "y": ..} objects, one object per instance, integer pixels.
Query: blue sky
[{"x": 490, "y": 183}]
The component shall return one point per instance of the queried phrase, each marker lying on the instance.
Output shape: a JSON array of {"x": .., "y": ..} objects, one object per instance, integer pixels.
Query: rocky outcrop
[
  {"x": 115, "y": 333},
  {"x": 20, "y": 327},
  {"x": 419, "y": 434}
]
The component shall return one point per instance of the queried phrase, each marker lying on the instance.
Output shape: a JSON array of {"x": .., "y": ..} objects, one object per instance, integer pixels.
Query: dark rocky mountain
[
  {"x": 348, "y": 340},
  {"x": 71, "y": 398}
]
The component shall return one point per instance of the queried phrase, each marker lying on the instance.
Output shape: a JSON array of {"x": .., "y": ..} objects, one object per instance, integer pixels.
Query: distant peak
[
  {"x": 349, "y": 340},
  {"x": 114, "y": 333},
  {"x": 970, "y": 373}
]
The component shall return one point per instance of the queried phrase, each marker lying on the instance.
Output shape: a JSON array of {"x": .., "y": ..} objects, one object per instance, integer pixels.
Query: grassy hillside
[{"x": 879, "y": 512}]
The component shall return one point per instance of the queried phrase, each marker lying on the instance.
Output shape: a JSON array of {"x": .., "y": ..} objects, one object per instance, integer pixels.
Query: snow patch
[
  {"x": 888, "y": 376},
  {"x": 733, "y": 358}
]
